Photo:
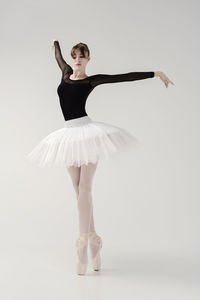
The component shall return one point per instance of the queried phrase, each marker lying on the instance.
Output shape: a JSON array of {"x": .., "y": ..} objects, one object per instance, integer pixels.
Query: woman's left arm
[{"x": 98, "y": 79}]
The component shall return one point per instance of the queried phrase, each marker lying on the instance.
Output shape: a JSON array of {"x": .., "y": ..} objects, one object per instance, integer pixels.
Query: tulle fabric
[{"x": 81, "y": 141}]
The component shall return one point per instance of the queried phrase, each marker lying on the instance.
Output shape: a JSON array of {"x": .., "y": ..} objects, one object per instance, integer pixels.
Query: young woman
[{"x": 81, "y": 142}]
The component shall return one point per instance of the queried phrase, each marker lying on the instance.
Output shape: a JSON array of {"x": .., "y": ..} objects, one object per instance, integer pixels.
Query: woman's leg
[
  {"x": 85, "y": 203},
  {"x": 82, "y": 181},
  {"x": 74, "y": 173}
]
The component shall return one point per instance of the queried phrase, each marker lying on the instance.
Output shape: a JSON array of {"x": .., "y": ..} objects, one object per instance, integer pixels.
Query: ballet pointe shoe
[
  {"x": 80, "y": 243},
  {"x": 95, "y": 240}
]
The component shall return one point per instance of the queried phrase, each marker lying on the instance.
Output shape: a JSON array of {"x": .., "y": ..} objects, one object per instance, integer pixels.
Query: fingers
[
  {"x": 53, "y": 43},
  {"x": 167, "y": 81}
]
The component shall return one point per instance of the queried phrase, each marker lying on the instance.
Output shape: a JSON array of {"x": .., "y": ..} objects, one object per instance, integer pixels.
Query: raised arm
[
  {"x": 61, "y": 62},
  {"x": 131, "y": 76}
]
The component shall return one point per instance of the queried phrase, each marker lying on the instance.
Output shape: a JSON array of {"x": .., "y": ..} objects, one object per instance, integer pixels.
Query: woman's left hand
[{"x": 163, "y": 77}]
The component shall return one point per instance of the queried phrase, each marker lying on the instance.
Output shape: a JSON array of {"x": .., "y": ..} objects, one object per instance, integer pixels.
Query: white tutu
[{"x": 81, "y": 141}]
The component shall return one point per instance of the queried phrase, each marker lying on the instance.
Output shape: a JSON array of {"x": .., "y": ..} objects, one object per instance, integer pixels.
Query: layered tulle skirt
[{"x": 81, "y": 141}]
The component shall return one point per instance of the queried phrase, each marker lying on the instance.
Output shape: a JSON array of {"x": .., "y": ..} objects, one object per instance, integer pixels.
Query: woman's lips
[{"x": 78, "y": 64}]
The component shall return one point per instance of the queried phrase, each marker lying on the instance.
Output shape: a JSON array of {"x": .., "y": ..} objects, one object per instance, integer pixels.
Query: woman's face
[{"x": 79, "y": 61}]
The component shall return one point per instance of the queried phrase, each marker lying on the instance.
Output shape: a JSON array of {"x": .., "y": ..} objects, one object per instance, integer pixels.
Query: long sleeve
[
  {"x": 61, "y": 62},
  {"x": 131, "y": 76}
]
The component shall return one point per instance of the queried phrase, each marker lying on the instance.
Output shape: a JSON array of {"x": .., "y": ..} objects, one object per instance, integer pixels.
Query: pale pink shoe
[
  {"x": 95, "y": 239},
  {"x": 80, "y": 243}
]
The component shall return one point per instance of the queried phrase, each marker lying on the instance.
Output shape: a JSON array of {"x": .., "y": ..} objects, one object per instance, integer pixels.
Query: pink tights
[{"x": 82, "y": 178}]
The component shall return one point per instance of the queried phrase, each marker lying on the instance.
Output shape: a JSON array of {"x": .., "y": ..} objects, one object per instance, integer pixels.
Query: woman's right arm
[{"x": 58, "y": 55}]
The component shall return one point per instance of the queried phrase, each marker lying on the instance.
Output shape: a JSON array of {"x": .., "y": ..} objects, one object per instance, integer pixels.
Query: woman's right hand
[{"x": 53, "y": 44}]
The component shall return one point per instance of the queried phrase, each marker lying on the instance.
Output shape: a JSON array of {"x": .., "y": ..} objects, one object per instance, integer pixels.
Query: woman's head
[{"x": 80, "y": 54}]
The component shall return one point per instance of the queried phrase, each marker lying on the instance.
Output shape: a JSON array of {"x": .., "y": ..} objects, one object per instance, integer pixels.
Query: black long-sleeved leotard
[{"x": 73, "y": 93}]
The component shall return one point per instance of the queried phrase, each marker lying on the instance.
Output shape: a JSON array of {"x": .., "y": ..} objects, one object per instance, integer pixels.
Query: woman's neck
[{"x": 78, "y": 75}]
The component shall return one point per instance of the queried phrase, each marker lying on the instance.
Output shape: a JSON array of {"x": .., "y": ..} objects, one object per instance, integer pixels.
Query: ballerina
[{"x": 82, "y": 141}]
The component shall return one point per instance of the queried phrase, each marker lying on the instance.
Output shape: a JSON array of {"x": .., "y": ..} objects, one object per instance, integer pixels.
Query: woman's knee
[{"x": 84, "y": 186}]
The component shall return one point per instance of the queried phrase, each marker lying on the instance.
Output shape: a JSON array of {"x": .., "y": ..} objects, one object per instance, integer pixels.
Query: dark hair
[{"x": 82, "y": 47}]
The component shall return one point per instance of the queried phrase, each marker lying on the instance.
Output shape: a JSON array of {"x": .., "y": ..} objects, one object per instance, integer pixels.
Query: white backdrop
[{"x": 146, "y": 204}]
